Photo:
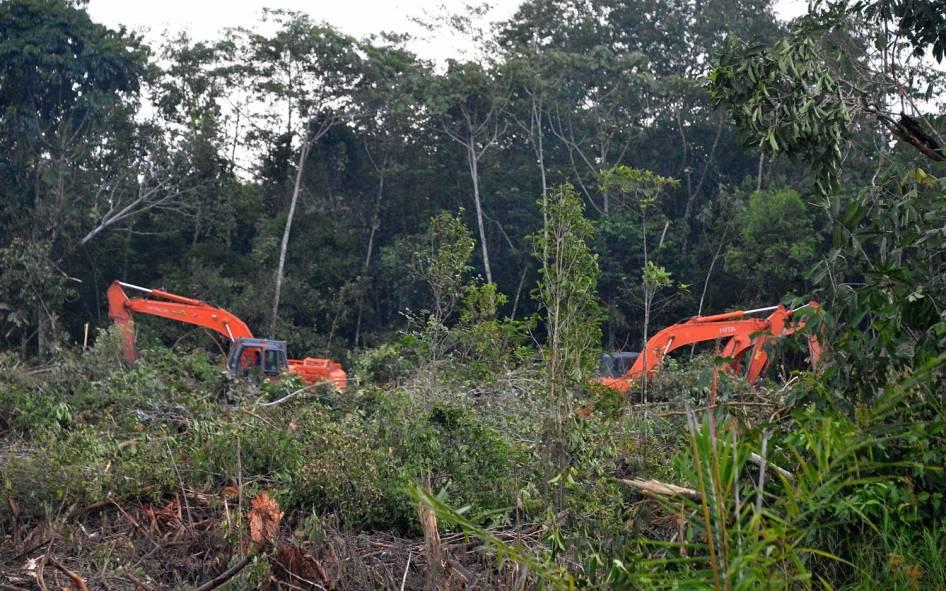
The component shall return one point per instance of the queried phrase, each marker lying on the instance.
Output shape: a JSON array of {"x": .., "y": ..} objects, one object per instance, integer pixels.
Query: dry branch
[
  {"x": 656, "y": 488},
  {"x": 760, "y": 461},
  {"x": 227, "y": 574},
  {"x": 77, "y": 581}
]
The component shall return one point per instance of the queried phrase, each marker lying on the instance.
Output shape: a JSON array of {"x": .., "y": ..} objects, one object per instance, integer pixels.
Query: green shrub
[
  {"x": 361, "y": 464},
  {"x": 387, "y": 363},
  {"x": 222, "y": 452},
  {"x": 347, "y": 473},
  {"x": 85, "y": 466},
  {"x": 487, "y": 345}
]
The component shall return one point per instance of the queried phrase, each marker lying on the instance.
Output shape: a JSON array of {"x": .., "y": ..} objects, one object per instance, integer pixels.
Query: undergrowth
[{"x": 845, "y": 500}]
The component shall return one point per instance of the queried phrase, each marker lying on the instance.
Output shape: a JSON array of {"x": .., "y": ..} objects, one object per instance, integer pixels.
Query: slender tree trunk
[
  {"x": 691, "y": 198},
  {"x": 41, "y": 335},
  {"x": 646, "y": 305},
  {"x": 539, "y": 147},
  {"x": 303, "y": 156},
  {"x": 475, "y": 173},
  {"x": 127, "y": 251},
  {"x": 758, "y": 182},
  {"x": 515, "y": 301},
  {"x": 540, "y": 156},
  {"x": 197, "y": 220},
  {"x": 709, "y": 272},
  {"x": 611, "y": 311},
  {"x": 603, "y": 165},
  {"x": 375, "y": 224}
]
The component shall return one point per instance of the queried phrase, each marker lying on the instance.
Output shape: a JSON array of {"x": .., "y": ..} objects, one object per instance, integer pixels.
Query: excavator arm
[
  {"x": 785, "y": 325},
  {"x": 171, "y": 306},
  {"x": 698, "y": 329},
  {"x": 741, "y": 331}
]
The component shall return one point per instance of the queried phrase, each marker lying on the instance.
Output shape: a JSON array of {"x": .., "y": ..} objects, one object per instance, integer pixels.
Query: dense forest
[
  {"x": 179, "y": 166},
  {"x": 466, "y": 238}
]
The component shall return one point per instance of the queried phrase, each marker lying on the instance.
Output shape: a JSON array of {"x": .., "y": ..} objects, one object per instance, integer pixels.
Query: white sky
[{"x": 203, "y": 19}]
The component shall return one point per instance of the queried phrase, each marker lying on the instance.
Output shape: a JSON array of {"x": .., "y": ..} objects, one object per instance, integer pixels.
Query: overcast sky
[{"x": 203, "y": 19}]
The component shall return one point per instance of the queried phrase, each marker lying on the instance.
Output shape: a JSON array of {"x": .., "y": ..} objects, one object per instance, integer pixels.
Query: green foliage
[
  {"x": 147, "y": 431},
  {"x": 488, "y": 343},
  {"x": 442, "y": 261},
  {"x": 776, "y": 244},
  {"x": 567, "y": 289},
  {"x": 74, "y": 468},
  {"x": 386, "y": 363},
  {"x": 809, "y": 516},
  {"x": 734, "y": 540},
  {"x": 903, "y": 559},
  {"x": 29, "y": 284},
  {"x": 920, "y": 22},
  {"x": 784, "y": 101},
  {"x": 195, "y": 196},
  {"x": 553, "y": 575},
  {"x": 888, "y": 327},
  {"x": 643, "y": 186},
  {"x": 655, "y": 277}
]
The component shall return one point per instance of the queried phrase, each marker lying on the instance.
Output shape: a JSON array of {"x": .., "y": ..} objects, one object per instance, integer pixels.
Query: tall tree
[
  {"x": 387, "y": 118},
  {"x": 66, "y": 85},
  {"x": 467, "y": 104},
  {"x": 302, "y": 76}
]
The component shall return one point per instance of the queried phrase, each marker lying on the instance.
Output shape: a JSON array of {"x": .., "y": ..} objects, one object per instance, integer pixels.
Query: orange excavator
[
  {"x": 741, "y": 329},
  {"x": 247, "y": 354}
]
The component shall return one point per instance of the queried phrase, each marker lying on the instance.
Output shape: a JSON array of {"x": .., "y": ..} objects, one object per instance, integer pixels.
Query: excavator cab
[
  {"x": 267, "y": 357},
  {"x": 615, "y": 365}
]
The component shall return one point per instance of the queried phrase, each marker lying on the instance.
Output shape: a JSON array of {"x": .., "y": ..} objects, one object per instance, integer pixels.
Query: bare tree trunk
[
  {"x": 691, "y": 198},
  {"x": 539, "y": 147},
  {"x": 645, "y": 347},
  {"x": 375, "y": 224},
  {"x": 709, "y": 272},
  {"x": 42, "y": 344},
  {"x": 647, "y": 298},
  {"x": 758, "y": 182},
  {"x": 515, "y": 301},
  {"x": 475, "y": 173},
  {"x": 127, "y": 252},
  {"x": 303, "y": 156}
]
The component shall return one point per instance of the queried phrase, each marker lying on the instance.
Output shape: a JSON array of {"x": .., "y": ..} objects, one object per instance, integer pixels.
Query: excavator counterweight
[{"x": 247, "y": 354}]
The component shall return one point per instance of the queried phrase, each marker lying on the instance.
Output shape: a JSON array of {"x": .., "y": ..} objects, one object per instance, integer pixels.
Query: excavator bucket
[{"x": 121, "y": 316}]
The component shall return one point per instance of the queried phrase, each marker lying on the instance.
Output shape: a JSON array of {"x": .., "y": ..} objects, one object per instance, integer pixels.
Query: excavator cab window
[
  {"x": 615, "y": 365},
  {"x": 261, "y": 357},
  {"x": 275, "y": 361},
  {"x": 249, "y": 361}
]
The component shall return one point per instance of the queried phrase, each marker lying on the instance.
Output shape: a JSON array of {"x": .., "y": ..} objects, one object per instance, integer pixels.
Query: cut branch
[{"x": 655, "y": 488}]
